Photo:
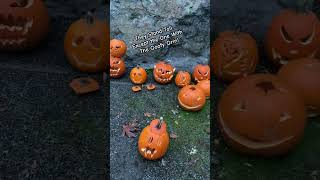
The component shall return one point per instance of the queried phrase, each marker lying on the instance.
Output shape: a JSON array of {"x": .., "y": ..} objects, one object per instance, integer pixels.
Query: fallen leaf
[
  {"x": 176, "y": 122},
  {"x": 130, "y": 129},
  {"x": 147, "y": 114},
  {"x": 163, "y": 162},
  {"x": 173, "y": 136}
]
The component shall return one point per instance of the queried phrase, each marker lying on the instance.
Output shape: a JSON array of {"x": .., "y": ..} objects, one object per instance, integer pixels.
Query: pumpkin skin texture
[
  {"x": 24, "y": 24},
  {"x": 86, "y": 43},
  {"x": 261, "y": 115},
  {"x": 191, "y": 98},
  {"x": 182, "y": 79},
  {"x": 163, "y": 72},
  {"x": 303, "y": 75},
  {"x": 201, "y": 72},
  {"x": 153, "y": 141},
  {"x": 204, "y": 85},
  {"x": 118, "y": 48},
  {"x": 138, "y": 75},
  {"x": 234, "y": 55},
  {"x": 292, "y": 35},
  {"x": 117, "y": 67}
]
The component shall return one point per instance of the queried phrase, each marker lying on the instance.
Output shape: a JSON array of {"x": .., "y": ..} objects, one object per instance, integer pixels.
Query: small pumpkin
[
  {"x": 191, "y": 98},
  {"x": 117, "y": 67},
  {"x": 303, "y": 75},
  {"x": 153, "y": 141},
  {"x": 292, "y": 35},
  {"x": 23, "y": 24},
  {"x": 118, "y": 48},
  {"x": 234, "y": 55},
  {"x": 138, "y": 75},
  {"x": 204, "y": 85},
  {"x": 163, "y": 72},
  {"x": 85, "y": 44},
  {"x": 201, "y": 72},
  {"x": 182, "y": 79}
]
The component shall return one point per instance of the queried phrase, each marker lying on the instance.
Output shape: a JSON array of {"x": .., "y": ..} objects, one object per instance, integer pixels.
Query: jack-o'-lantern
[
  {"x": 138, "y": 75},
  {"x": 153, "y": 141},
  {"x": 182, "y": 79},
  {"x": 234, "y": 55},
  {"x": 163, "y": 72},
  {"x": 117, "y": 67},
  {"x": 201, "y": 72},
  {"x": 303, "y": 75},
  {"x": 191, "y": 98},
  {"x": 204, "y": 85},
  {"x": 23, "y": 24},
  {"x": 261, "y": 115},
  {"x": 118, "y": 48},
  {"x": 86, "y": 43},
  {"x": 292, "y": 35}
]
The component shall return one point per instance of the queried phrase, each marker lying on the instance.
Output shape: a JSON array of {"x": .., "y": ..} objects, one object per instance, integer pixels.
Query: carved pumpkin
[
  {"x": 154, "y": 140},
  {"x": 303, "y": 75},
  {"x": 293, "y": 35},
  {"x": 204, "y": 85},
  {"x": 163, "y": 72},
  {"x": 138, "y": 75},
  {"x": 201, "y": 72},
  {"x": 234, "y": 55},
  {"x": 182, "y": 79},
  {"x": 23, "y": 24},
  {"x": 118, "y": 48},
  {"x": 191, "y": 98},
  {"x": 117, "y": 67},
  {"x": 85, "y": 44},
  {"x": 261, "y": 115}
]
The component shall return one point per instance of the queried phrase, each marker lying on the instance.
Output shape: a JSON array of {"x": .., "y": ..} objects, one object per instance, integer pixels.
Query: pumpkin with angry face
[
  {"x": 293, "y": 35},
  {"x": 163, "y": 72},
  {"x": 154, "y": 140},
  {"x": 117, "y": 67},
  {"x": 201, "y": 72},
  {"x": 86, "y": 43},
  {"x": 23, "y": 24},
  {"x": 138, "y": 75},
  {"x": 182, "y": 79},
  {"x": 118, "y": 48}
]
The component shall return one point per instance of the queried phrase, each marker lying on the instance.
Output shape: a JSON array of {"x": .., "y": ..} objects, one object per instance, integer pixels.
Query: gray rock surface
[{"x": 131, "y": 18}]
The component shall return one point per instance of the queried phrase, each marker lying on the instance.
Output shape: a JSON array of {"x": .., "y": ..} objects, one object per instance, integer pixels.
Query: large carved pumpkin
[
  {"x": 163, "y": 72},
  {"x": 23, "y": 24}
]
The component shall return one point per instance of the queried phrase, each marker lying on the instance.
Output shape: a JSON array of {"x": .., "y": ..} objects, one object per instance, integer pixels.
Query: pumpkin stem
[
  {"x": 160, "y": 123},
  {"x": 90, "y": 16}
]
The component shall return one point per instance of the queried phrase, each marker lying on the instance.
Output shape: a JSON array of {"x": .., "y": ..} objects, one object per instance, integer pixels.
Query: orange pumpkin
[
  {"x": 234, "y": 55},
  {"x": 118, "y": 48},
  {"x": 23, "y": 24},
  {"x": 85, "y": 44},
  {"x": 154, "y": 140},
  {"x": 182, "y": 79},
  {"x": 191, "y": 98},
  {"x": 292, "y": 35},
  {"x": 201, "y": 72},
  {"x": 117, "y": 67},
  {"x": 163, "y": 72},
  {"x": 138, "y": 75},
  {"x": 204, "y": 85}
]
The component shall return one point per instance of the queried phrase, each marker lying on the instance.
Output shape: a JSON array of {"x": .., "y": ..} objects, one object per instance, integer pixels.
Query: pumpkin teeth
[
  {"x": 18, "y": 28},
  {"x": 12, "y": 41}
]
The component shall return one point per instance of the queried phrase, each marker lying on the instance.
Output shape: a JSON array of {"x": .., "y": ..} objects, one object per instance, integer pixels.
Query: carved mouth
[
  {"x": 86, "y": 63},
  {"x": 284, "y": 60},
  {"x": 14, "y": 30},
  {"x": 114, "y": 71},
  {"x": 312, "y": 111},
  {"x": 149, "y": 151},
  {"x": 189, "y": 107},
  {"x": 162, "y": 79}
]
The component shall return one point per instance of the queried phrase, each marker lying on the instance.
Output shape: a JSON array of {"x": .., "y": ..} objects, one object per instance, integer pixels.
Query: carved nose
[{"x": 294, "y": 52}]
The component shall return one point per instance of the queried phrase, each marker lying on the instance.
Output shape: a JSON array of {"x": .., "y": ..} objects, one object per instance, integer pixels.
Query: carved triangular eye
[
  {"x": 308, "y": 39},
  {"x": 285, "y": 34}
]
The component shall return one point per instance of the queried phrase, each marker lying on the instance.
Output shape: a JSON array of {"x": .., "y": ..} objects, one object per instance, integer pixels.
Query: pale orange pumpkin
[
  {"x": 138, "y": 75},
  {"x": 191, "y": 98}
]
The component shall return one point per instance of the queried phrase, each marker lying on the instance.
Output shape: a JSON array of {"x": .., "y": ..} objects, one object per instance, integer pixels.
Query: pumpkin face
[
  {"x": 154, "y": 140},
  {"x": 85, "y": 45},
  {"x": 117, "y": 67},
  {"x": 163, "y": 72},
  {"x": 182, "y": 79},
  {"x": 261, "y": 115},
  {"x": 293, "y": 35},
  {"x": 191, "y": 98},
  {"x": 234, "y": 55},
  {"x": 201, "y": 72},
  {"x": 204, "y": 85},
  {"x": 138, "y": 75},
  {"x": 118, "y": 48},
  {"x": 303, "y": 76},
  {"x": 23, "y": 24}
]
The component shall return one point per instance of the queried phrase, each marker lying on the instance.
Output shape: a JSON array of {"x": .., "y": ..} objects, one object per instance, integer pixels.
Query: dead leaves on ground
[{"x": 130, "y": 129}]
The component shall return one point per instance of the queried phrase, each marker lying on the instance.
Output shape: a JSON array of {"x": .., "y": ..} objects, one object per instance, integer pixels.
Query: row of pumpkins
[
  {"x": 266, "y": 114},
  {"x": 154, "y": 139}
]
